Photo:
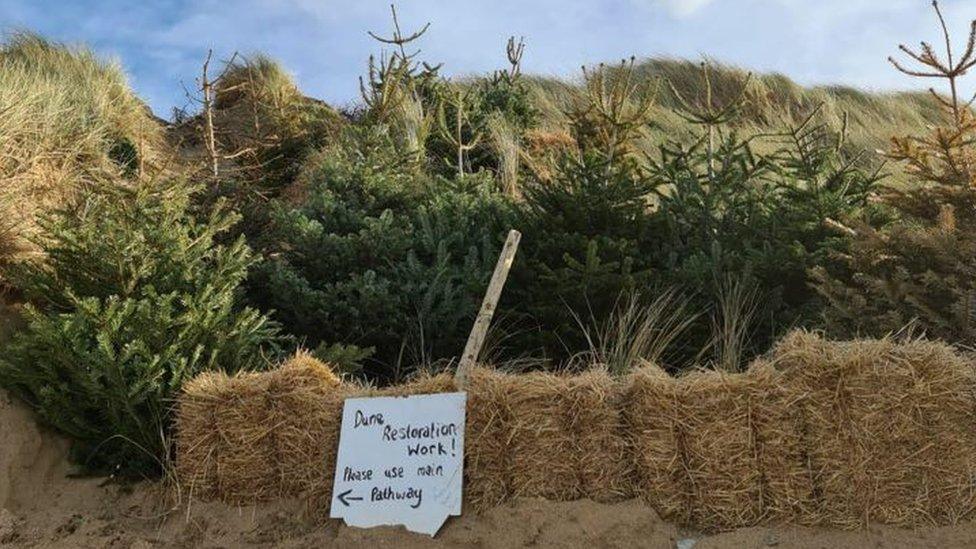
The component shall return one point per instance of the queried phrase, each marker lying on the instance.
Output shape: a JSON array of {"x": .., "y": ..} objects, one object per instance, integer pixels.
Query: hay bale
[
  {"x": 544, "y": 435},
  {"x": 487, "y": 437},
  {"x": 543, "y": 446},
  {"x": 818, "y": 433},
  {"x": 258, "y": 436},
  {"x": 275, "y": 434},
  {"x": 197, "y": 442},
  {"x": 716, "y": 450},
  {"x": 595, "y": 401},
  {"x": 246, "y": 467},
  {"x": 790, "y": 492},
  {"x": 566, "y": 437},
  {"x": 889, "y": 428},
  {"x": 304, "y": 405},
  {"x": 656, "y": 442},
  {"x": 221, "y": 438},
  {"x": 719, "y": 449}
]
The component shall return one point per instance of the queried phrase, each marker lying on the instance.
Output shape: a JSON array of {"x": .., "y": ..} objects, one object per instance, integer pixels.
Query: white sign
[{"x": 400, "y": 461}]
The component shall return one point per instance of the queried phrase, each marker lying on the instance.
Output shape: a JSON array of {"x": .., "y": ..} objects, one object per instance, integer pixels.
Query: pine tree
[
  {"x": 378, "y": 256},
  {"x": 133, "y": 298},
  {"x": 920, "y": 268}
]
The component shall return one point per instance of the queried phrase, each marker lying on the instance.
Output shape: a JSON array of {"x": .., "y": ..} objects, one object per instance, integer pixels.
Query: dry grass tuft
[
  {"x": 67, "y": 119},
  {"x": 504, "y": 141},
  {"x": 262, "y": 123},
  {"x": 256, "y": 79},
  {"x": 638, "y": 332}
]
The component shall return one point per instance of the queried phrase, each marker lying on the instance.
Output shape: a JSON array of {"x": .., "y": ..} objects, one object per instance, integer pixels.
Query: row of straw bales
[{"x": 817, "y": 432}]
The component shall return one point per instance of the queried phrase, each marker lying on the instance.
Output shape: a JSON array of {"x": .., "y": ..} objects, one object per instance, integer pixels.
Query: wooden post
[
  {"x": 476, "y": 339},
  {"x": 207, "y": 88}
]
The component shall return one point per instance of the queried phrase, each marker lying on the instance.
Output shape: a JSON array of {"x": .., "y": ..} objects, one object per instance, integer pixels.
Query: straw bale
[
  {"x": 543, "y": 445},
  {"x": 789, "y": 489},
  {"x": 717, "y": 450},
  {"x": 198, "y": 444},
  {"x": 657, "y": 444},
  {"x": 890, "y": 428},
  {"x": 304, "y": 412},
  {"x": 246, "y": 468},
  {"x": 818, "y": 432},
  {"x": 566, "y": 436},
  {"x": 718, "y": 447},
  {"x": 276, "y": 434},
  {"x": 487, "y": 439},
  {"x": 257, "y": 436},
  {"x": 594, "y": 401}
]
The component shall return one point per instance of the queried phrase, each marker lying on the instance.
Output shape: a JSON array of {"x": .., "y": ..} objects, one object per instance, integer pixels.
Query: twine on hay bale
[{"x": 890, "y": 428}]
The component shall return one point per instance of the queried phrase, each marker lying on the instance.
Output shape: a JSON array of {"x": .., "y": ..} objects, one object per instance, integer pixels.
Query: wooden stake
[
  {"x": 207, "y": 88},
  {"x": 476, "y": 339}
]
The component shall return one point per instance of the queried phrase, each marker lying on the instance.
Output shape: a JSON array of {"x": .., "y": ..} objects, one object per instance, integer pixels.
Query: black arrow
[{"x": 345, "y": 498}]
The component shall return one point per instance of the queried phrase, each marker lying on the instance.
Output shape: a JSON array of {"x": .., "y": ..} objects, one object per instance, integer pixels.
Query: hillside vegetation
[
  {"x": 773, "y": 100},
  {"x": 67, "y": 120},
  {"x": 680, "y": 214},
  {"x": 262, "y": 125}
]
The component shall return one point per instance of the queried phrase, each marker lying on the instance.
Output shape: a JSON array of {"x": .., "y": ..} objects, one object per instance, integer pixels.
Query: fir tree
[
  {"x": 133, "y": 298},
  {"x": 920, "y": 268}
]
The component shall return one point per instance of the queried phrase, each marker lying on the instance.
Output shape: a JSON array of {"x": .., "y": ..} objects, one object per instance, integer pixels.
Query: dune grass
[
  {"x": 263, "y": 125},
  {"x": 67, "y": 118},
  {"x": 258, "y": 78},
  {"x": 772, "y": 102}
]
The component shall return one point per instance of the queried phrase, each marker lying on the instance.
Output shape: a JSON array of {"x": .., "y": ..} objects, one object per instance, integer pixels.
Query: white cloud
[{"x": 684, "y": 8}]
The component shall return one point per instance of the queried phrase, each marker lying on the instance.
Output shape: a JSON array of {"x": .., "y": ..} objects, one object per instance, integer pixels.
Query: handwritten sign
[{"x": 400, "y": 461}]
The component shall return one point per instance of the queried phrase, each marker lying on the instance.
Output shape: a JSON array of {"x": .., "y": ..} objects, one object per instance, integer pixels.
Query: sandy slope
[{"x": 41, "y": 506}]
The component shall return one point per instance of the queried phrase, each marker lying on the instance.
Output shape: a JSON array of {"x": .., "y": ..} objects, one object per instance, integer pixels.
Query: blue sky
[{"x": 325, "y": 45}]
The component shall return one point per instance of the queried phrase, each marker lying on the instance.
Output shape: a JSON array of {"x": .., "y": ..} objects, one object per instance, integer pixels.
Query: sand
[{"x": 43, "y": 505}]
